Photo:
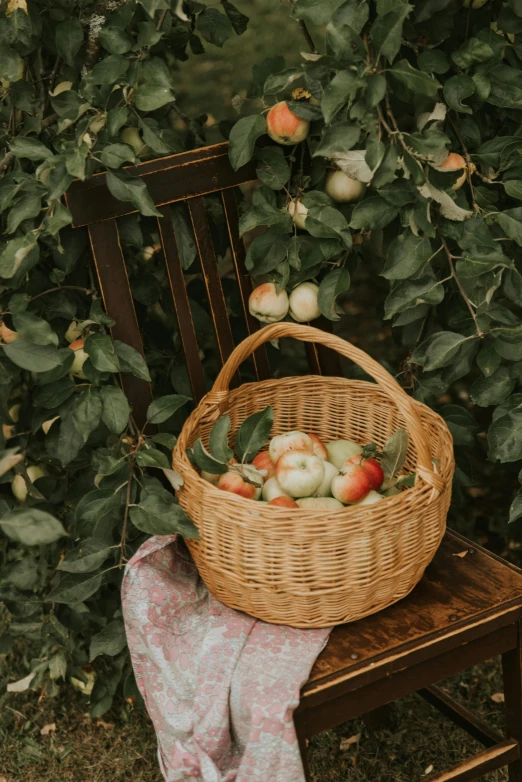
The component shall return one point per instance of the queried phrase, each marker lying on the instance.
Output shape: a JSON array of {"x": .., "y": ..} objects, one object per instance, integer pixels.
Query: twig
[
  {"x": 50, "y": 120},
  {"x": 463, "y": 293},
  {"x": 467, "y": 158},
  {"x": 87, "y": 291},
  {"x": 383, "y": 122},
  {"x": 6, "y": 161},
  {"x": 161, "y": 20},
  {"x": 126, "y": 513},
  {"x": 306, "y": 33}
]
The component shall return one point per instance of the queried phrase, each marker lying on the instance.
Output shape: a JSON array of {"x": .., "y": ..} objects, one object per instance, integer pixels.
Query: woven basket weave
[{"x": 310, "y": 568}]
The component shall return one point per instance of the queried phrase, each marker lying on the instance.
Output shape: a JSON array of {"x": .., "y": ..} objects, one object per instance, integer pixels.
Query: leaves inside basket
[
  {"x": 205, "y": 461},
  {"x": 253, "y": 434},
  {"x": 218, "y": 440},
  {"x": 394, "y": 456}
]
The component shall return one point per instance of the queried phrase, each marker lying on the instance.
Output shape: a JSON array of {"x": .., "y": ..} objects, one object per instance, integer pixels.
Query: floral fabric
[{"x": 219, "y": 685}]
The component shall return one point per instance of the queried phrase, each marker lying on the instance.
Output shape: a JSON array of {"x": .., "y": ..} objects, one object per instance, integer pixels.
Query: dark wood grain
[
  {"x": 455, "y": 593},
  {"x": 237, "y": 248},
  {"x": 460, "y": 715},
  {"x": 181, "y": 305},
  {"x": 218, "y": 306},
  {"x": 481, "y": 764},
  {"x": 117, "y": 300},
  {"x": 169, "y": 179},
  {"x": 329, "y": 360},
  {"x": 512, "y": 674}
]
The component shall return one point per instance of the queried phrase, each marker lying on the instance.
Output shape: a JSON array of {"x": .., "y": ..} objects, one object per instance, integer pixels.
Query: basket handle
[{"x": 384, "y": 380}]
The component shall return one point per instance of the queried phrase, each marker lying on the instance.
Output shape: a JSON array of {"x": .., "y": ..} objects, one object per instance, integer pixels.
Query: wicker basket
[{"x": 312, "y": 568}]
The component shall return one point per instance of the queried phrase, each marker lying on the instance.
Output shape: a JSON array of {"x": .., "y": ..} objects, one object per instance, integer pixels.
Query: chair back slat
[
  {"x": 329, "y": 360},
  {"x": 237, "y": 248},
  {"x": 117, "y": 299},
  {"x": 181, "y": 304},
  {"x": 218, "y": 306}
]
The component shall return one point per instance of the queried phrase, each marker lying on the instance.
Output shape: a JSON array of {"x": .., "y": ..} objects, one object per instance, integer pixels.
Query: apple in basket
[
  {"x": 283, "y": 502},
  {"x": 341, "y": 450},
  {"x": 291, "y": 441},
  {"x": 245, "y": 482},
  {"x": 372, "y": 467},
  {"x": 300, "y": 473},
  {"x": 264, "y": 464},
  {"x": 352, "y": 484},
  {"x": 271, "y": 490}
]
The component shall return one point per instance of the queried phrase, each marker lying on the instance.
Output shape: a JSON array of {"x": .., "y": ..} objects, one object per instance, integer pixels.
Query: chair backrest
[{"x": 187, "y": 177}]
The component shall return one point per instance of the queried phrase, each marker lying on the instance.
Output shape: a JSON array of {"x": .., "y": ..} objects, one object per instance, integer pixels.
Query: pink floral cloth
[{"x": 219, "y": 685}]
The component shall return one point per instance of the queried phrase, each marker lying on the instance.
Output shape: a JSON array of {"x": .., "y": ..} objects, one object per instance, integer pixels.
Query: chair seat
[{"x": 466, "y": 592}]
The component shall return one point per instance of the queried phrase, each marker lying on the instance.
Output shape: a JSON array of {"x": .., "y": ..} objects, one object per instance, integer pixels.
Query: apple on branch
[
  {"x": 284, "y": 126},
  {"x": 266, "y": 304},
  {"x": 303, "y": 304}
]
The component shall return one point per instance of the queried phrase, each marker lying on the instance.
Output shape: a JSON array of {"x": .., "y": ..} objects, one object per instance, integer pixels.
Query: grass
[{"x": 122, "y": 745}]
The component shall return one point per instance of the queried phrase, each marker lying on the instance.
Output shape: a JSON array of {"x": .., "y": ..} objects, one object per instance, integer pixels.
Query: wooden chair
[{"x": 466, "y": 609}]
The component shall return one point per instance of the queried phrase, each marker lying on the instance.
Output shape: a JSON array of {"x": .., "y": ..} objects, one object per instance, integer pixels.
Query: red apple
[
  {"x": 284, "y": 126},
  {"x": 266, "y": 304},
  {"x": 264, "y": 462},
  {"x": 455, "y": 162},
  {"x": 319, "y": 447},
  {"x": 291, "y": 441},
  {"x": 284, "y": 502},
  {"x": 372, "y": 467},
  {"x": 352, "y": 484},
  {"x": 234, "y": 483}
]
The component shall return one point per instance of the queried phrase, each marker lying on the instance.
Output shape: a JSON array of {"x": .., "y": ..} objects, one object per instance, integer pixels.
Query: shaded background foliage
[{"x": 114, "y": 67}]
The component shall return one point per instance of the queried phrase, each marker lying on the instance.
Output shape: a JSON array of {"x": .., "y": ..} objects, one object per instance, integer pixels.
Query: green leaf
[
  {"x": 315, "y": 11},
  {"x": 373, "y": 212},
  {"x": 511, "y": 223},
  {"x": 36, "y": 358},
  {"x": 10, "y": 63},
  {"x": 326, "y": 222},
  {"x": 34, "y": 329},
  {"x": 164, "y": 407},
  {"x": 115, "y": 409},
  {"x": 100, "y": 350},
  {"x": 332, "y": 285},
  {"x": 492, "y": 390},
  {"x": 386, "y": 31},
  {"x": 394, "y": 456},
  {"x": 205, "y": 461},
  {"x": 457, "y": 89},
  {"x": 254, "y": 433},
  {"x": 434, "y": 61},
  {"x": 438, "y": 350},
  {"x": 505, "y": 433},
  {"x": 130, "y": 360},
  {"x": 238, "y": 20},
  {"x": 115, "y": 40},
  {"x": 218, "y": 440},
  {"x": 89, "y": 555},
  {"x": 86, "y": 411},
  {"x": 375, "y": 89},
  {"x": 506, "y": 87},
  {"x": 150, "y": 457},
  {"x": 278, "y": 82},
  {"x": 409, "y": 293},
  {"x": 96, "y": 511},
  {"x": 110, "y": 641},
  {"x": 25, "y": 209},
  {"x": 461, "y": 424},
  {"x": 243, "y": 137},
  {"x": 481, "y": 262},
  {"x": 337, "y": 139},
  {"x": 272, "y": 168},
  {"x": 75, "y": 588},
  {"x": 132, "y": 189},
  {"x": 342, "y": 87},
  {"x": 30, "y": 148},
  {"x": 110, "y": 70},
  {"x": 515, "y": 509},
  {"x": 150, "y": 97},
  {"x": 407, "y": 254},
  {"x": 115, "y": 155},
  {"x": 345, "y": 44},
  {"x": 416, "y": 81},
  {"x": 157, "y": 515},
  {"x": 69, "y": 38},
  {"x": 513, "y": 188},
  {"x": 471, "y": 53},
  {"x": 31, "y": 526},
  {"x": 214, "y": 26},
  {"x": 19, "y": 254}
]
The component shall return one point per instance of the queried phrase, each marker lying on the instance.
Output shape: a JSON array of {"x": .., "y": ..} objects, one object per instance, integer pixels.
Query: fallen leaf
[
  {"x": 50, "y": 728},
  {"x": 105, "y": 725},
  {"x": 498, "y": 697},
  {"x": 3, "y": 779},
  {"x": 21, "y": 685},
  {"x": 429, "y": 769},
  {"x": 345, "y": 743},
  {"x": 461, "y": 554}
]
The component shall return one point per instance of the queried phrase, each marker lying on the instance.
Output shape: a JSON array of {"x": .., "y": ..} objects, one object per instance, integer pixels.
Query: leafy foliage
[
  {"x": 391, "y": 92},
  {"x": 85, "y": 87}
]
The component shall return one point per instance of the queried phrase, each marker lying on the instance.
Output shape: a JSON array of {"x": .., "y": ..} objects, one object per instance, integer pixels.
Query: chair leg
[
  {"x": 512, "y": 673},
  {"x": 303, "y": 747}
]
